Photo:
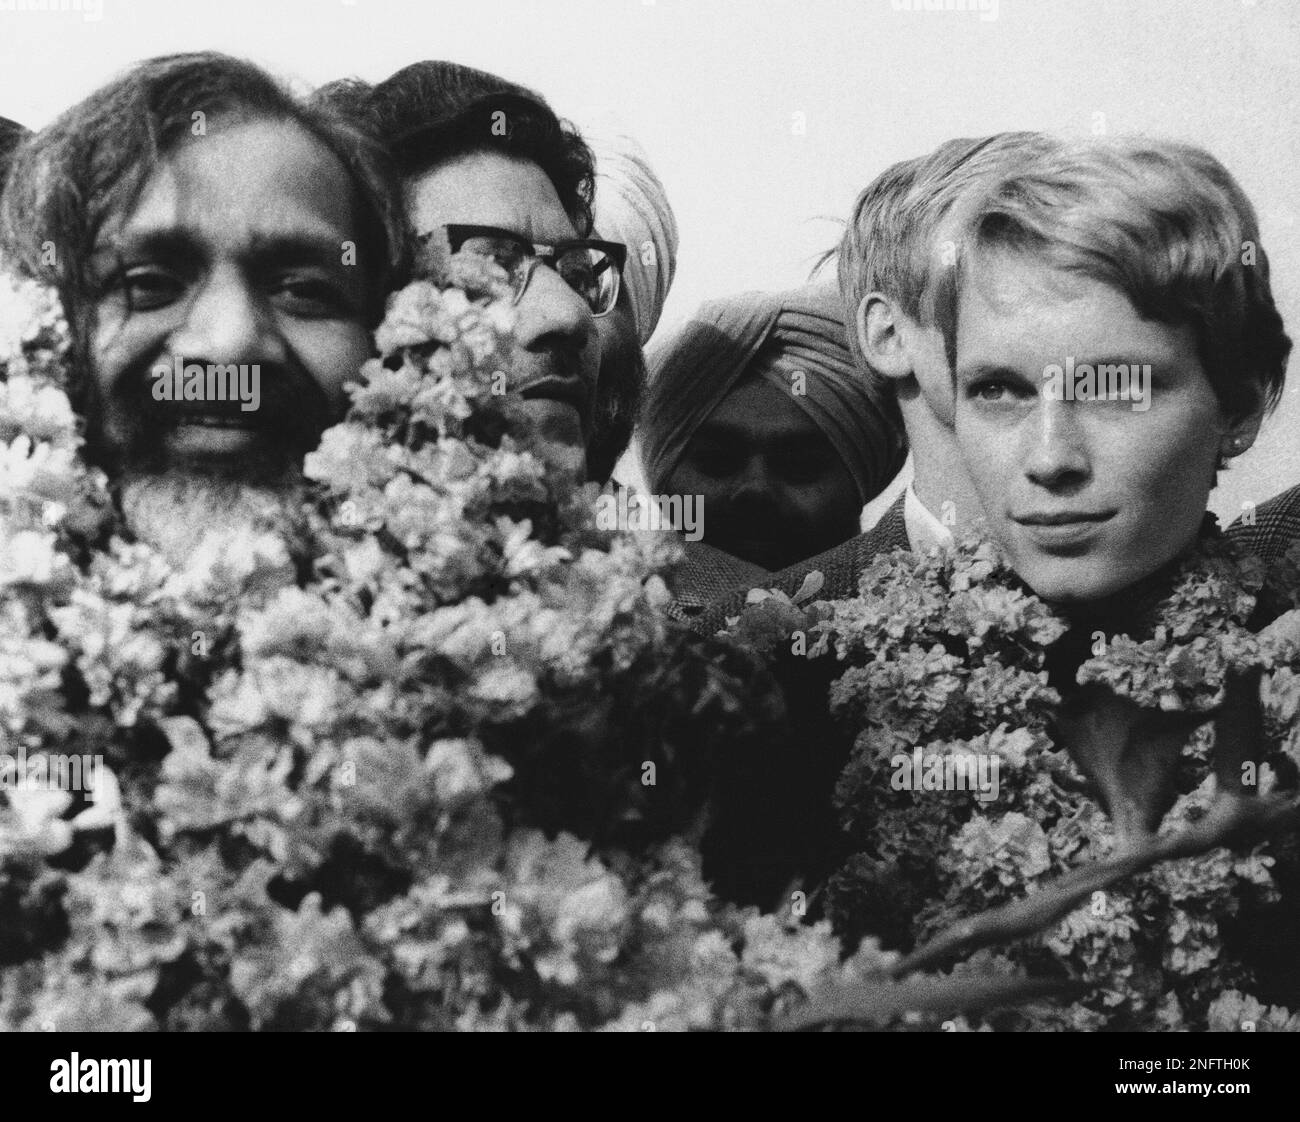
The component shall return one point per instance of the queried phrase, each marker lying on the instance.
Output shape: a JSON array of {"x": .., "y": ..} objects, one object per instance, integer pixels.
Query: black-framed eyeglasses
[{"x": 593, "y": 269}]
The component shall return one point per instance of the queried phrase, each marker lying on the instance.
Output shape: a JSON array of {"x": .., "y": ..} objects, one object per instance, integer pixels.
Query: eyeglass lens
[{"x": 588, "y": 271}]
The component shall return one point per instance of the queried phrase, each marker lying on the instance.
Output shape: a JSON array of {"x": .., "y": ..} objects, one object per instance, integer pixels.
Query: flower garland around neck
[{"x": 1004, "y": 757}]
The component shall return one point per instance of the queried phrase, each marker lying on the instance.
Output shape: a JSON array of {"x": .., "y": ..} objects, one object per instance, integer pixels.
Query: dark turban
[{"x": 782, "y": 333}]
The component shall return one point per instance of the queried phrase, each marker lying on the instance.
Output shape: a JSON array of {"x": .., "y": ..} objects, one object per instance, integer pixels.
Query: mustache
[
  {"x": 292, "y": 412},
  {"x": 552, "y": 369},
  {"x": 284, "y": 390}
]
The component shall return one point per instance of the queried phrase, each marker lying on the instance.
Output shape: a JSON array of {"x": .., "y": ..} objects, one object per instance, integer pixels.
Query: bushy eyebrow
[
  {"x": 300, "y": 247},
  {"x": 161, "y": 244},
  {"x": 306, "y": 246},
  {"x": 986, "y": 369}
]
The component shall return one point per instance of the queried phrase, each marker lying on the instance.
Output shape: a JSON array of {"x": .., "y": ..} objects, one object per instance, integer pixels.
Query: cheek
[
  {"x": 590, "y": 359},
  {"x": 990, "y": 455},
  {"x": 1172, "y": 463},
  {"x": 714, "y": 493},
  {"x": 830, "y": 501},
  {"x": 937, "y": 388},
  {"x": 332, "y": 355},
  {"x": 1165, "y": 472},
  {"x": 117, "y": 343}
]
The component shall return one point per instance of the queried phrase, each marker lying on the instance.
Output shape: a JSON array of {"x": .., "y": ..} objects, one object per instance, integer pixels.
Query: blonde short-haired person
[
  {"x": 1139, "y": 254},
  {"x": 1099, "y": 253}
]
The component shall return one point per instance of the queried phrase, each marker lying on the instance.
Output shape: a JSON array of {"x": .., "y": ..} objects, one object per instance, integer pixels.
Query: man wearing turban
[
  {"x": 756, "y": 405},
  {"x": 630, "y": 207}
]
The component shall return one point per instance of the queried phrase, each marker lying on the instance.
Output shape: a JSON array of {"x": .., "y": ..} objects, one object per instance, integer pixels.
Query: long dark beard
[{"x": 178, "y": 511}]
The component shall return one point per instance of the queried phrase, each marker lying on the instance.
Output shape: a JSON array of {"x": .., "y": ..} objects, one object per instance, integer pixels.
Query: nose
[
  {"x": 753, "y": 485},
  {"x": 1056, "y": 454},
  {"x": 551, "y": 314},
  {"x": 227, "y": 322}
]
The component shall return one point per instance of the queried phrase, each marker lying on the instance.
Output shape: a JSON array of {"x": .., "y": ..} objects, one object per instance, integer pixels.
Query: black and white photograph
[{"x": 647, "y": 516}]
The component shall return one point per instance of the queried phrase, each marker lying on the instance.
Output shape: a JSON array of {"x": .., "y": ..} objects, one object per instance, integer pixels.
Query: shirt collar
[{"x": 924, "y": 531}]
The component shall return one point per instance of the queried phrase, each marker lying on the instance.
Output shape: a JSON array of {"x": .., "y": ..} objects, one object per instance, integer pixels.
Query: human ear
[
  {"x": 1241, "y": 431},
  {"x": 878, "y": 324}
]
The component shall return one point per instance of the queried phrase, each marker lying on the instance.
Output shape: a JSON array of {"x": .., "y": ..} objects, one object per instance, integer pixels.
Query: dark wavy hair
[
  {"x": 95, "y": 159},
  {"x": 433, "y": 111}
]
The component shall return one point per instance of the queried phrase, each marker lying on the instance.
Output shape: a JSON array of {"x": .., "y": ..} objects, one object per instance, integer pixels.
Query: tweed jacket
[
  {"x": 704, "y": 575},
  {"x": 1276, "y": 526}
]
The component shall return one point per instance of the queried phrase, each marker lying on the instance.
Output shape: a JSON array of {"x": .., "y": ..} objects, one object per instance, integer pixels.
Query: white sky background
[{"x": 714, "y": 90}]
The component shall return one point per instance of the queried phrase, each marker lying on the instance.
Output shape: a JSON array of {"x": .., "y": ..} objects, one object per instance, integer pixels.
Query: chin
[
  {"x": 556, "y": 421},
  {"x": 1076, "y": 581}
]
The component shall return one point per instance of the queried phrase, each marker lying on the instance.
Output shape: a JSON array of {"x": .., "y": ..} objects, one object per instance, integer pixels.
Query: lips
[
  {"x": 135, "y": 431},
  {"x": 1062, "y": 518},
  {"x": 184, "y": 409},
  {"x": 211, "y": 429},
  {"x": 568, "y": 391},
  {"x": 215, "y": 421},
  {"x": 1060, "y": 529},
  {"x": 214, "y": 416},
  {"x": 204, "y": 437}
]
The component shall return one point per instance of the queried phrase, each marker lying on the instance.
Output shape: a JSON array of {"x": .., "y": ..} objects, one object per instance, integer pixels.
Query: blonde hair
[
  {"x": 893, "y": 241},
  {"x": 1163, "y": 222}
]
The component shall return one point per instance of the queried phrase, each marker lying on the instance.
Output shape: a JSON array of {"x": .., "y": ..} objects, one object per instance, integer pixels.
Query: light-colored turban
[
  {"x": 631, "y": 207},
  {"x": 781, "y": 333}
]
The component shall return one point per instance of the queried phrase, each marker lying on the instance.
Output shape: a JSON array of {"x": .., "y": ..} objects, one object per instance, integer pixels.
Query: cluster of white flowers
[{"x": 330, "y": 838}]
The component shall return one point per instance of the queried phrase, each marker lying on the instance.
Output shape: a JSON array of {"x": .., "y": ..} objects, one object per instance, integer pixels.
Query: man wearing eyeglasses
[{"x": 491, "y": 165}]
